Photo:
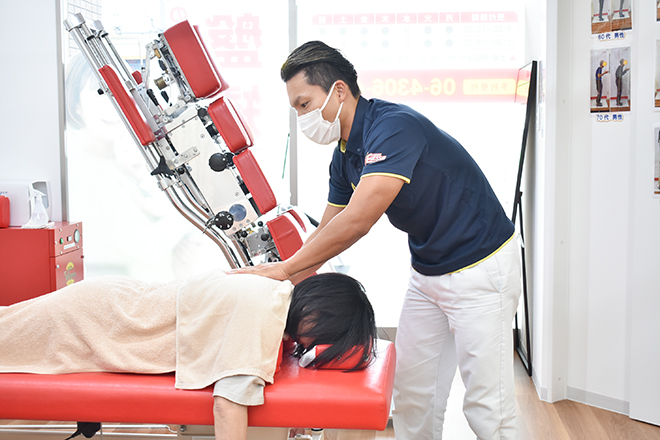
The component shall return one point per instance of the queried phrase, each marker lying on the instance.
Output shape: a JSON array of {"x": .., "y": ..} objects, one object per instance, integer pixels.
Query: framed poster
[
  {"x": 656, "y": 89},
  {"x": 656, "y": 163}
]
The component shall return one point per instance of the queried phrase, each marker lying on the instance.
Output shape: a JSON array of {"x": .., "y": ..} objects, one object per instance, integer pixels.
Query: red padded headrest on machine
[
  {"x": 225, "y": 84},
  {"x": 255, "y": 181},
  {"x": 195, "y": 61},
  {"x": 287, "y": 235},
  {"x": 127, "y": 105},
  {"x": 230, "y": 124}
]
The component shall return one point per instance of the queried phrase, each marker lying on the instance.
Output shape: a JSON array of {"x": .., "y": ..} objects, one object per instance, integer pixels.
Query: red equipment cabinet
[{"x": 34, "y": 262}]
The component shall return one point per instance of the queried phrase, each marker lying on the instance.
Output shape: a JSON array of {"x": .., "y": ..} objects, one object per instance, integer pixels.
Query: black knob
[
  {"x": 265, "y": 237},
  {"x": 244, "y": 234},
  {"x": 212, "y": 130},
  {"x": 223, "y": 220},
  {"x": 218, "y": 162},
  {"x": 152, "y": 96}
]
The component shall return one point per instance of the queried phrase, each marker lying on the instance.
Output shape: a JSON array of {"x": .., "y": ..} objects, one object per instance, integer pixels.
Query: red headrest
[
  {"x": 195, "y": 61},
  {"x": 230, "y": 124}
]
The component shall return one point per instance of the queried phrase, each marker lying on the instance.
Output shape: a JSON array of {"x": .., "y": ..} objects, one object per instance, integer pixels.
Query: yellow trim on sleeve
[
  {"x": 337, "y": 206},
  {"x": 484, "y": 259},
  {"x": 398, "y": 176}
]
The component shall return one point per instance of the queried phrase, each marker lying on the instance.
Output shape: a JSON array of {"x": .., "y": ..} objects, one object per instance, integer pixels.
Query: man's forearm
[
  {"x": 331, "y": 212},
  {"x": 298, "y": 277},
  {"x": 371, "y": 198},
  {"x": 337, "y": 236}
]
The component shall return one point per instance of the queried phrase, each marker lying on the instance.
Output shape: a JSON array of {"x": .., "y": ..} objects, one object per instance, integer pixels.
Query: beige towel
[
  {"x": 229, "y": 324},
  {"x": 111, "y": 324}
]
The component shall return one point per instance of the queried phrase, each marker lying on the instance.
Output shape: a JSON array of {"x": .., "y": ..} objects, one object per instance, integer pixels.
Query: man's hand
[
  {"x": 339, "y": 230},
  {"x": 276, "y": 270}
]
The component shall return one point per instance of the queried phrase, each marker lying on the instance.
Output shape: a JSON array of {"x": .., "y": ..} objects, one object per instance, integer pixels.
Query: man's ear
[{"x": 342, "y": 89}]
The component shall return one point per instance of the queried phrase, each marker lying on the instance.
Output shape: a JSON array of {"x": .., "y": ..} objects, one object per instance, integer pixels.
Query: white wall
[
  {"x": 595, "y": 281},
  {"x": 538, "y": 192},
  {"x": 30, "y": 115},
  {"x": 547, "y": 195},
  {"x": 643, "y": 281}
]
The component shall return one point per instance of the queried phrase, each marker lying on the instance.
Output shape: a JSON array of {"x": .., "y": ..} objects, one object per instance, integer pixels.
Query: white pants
[{"x": 462, "y": 318}]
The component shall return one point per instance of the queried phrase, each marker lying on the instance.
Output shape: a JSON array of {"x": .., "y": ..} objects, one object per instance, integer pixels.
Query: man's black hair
[
  {"x": 322, "y": 65},
  {"x": 335, "y": 310}
]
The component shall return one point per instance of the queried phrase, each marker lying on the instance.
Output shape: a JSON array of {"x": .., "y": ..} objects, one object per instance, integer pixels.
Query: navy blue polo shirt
[{"x": 446, "y": 206}]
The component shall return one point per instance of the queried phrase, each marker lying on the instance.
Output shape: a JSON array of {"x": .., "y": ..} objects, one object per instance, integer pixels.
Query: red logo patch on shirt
[{"x": 373, "y": 158}]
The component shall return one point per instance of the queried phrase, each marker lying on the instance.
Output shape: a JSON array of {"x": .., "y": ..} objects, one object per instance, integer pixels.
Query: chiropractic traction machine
[{"x": 199, "y": 154}]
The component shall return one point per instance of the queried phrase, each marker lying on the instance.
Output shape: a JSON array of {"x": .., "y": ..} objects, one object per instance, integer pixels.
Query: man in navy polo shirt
[{"x": 465, "y": 276}]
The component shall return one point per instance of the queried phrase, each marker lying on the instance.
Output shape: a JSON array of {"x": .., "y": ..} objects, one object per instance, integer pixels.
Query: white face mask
[{"x": 318, "y": 129}]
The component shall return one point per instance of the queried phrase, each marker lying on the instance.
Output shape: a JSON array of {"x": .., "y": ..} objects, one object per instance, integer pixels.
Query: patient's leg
[{"x": 230, "y": 419}]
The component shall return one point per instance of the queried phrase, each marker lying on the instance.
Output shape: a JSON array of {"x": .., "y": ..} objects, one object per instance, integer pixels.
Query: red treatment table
[{"x": 299, "y": 397}]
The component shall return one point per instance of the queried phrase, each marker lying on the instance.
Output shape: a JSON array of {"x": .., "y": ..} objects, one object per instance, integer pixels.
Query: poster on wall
[
  {"x": 600, "y": 80},
  {"x": 657, "y": 74},
  {"x": 620, "y": 91},
  {"x": 657, "y": 15},
  {"x": 610, "y": 80},
  {"x": 656, "y": 163},
  {"x": 610, "y": 15}
]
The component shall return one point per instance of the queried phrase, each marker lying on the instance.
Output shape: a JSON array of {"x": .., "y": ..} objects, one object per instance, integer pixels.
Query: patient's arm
[{"x": 230, "y": 419}]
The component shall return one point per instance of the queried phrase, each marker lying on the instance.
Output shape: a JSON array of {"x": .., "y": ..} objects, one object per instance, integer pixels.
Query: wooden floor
[
  {"x": 537, "y": 420},
  {"x": 567, "y": 420}
]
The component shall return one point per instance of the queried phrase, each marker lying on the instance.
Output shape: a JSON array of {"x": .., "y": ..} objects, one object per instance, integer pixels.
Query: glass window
[{"x": 456, "y": 63}]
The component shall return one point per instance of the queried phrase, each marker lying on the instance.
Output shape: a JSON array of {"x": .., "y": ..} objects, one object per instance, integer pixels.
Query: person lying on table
[{"x": 210, "y": 328}]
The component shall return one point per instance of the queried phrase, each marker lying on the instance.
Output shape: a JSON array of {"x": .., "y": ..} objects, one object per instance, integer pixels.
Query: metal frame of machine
[{"x": 198, "y": 153}]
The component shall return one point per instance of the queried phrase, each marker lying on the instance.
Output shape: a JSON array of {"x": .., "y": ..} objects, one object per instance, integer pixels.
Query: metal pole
[{"x": 293, "y": 124}]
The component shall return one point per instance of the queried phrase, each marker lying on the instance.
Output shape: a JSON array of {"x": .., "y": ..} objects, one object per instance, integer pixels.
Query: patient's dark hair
[
  {"x": 338, "y": 313},
  {"x": 322, "y": 64}
]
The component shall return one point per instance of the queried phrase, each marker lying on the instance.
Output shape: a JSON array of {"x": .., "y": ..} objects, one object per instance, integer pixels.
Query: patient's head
[{"x": 331, "y": 308}]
